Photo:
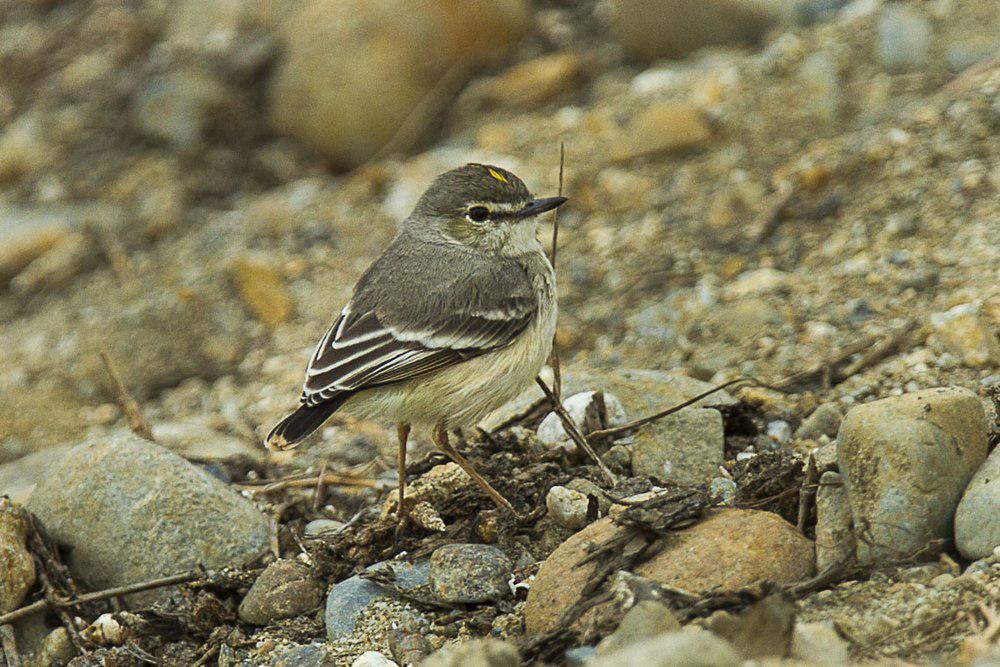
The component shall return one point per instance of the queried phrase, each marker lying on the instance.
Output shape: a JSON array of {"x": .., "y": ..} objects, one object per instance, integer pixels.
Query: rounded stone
[
  {"x": 906, "y": 461},
  {"x": 567, "y": 507},
  {"x": 286, "y": 588},
  {"x": 478, "y": 652},
  {"x": 694, "y": 648},
  {"x": 977, "y": 519},
  {"x": 381, "y": 56},
  {"x": 17, "y": 569},
  {"x": 125, "y": 491},
  {"x": 689, "y": 451},
  {"x": 728, "y": 550},
  {"x": 470, "y": 573}
]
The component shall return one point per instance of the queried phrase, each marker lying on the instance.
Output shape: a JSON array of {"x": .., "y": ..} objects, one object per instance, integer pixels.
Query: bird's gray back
[{"x": 415, "y": 283}]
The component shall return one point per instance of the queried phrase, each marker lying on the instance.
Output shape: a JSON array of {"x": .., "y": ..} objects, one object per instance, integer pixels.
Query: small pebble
[
  {"x": 579, "y": 656},
  {"x": 470, "y": 573},
  {"x": 780, "y": 431},
  {"x": 567, "y": 507},
  {"x": 322, "y": 527},
  {"x": 284, "y": 590},
  {"x": 373, "y": 659},
  {"x": 942, "y": 580},
  {"x": 723, "y": 488}
]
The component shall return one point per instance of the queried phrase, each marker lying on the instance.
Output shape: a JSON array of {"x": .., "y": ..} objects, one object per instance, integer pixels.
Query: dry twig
[
  {"x": 556, "y": 366},
  {"x": 320, "y": 492},
  {"x": 97, "y": 596},
  {"x": 306, "y": 482},
  {"x": 574, "y": 432},
  {"x": 129, "y": 405},
  {"x": 767, "y": 222},
  {"x": 625, "y": 429}
]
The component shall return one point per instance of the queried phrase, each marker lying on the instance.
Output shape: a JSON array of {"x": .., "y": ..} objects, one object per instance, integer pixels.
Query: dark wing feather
[{"x": 360, "y": 351}]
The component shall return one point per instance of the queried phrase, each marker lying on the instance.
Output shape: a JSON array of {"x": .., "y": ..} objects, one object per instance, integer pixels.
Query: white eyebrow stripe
[{"x": 501, "y": 207}]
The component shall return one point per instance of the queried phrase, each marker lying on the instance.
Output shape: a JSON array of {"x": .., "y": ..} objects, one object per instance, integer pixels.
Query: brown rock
[
  {"x": 26, "y": 234},
  {"x": 964, "y": 332},
  {"x": 262, "y": 290},
  {"x": 284, "y": 590},
  {"x": 353, "y": 71},
  {"x": 664, "y": 128},
  {"x": 17, "y": 569},
  {"x": 728, "y": 550},
  {"x": 535, "y": 82}
]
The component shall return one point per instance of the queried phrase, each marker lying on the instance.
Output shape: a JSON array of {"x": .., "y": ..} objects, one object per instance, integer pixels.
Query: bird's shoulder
[{"x": 418, "y": 282}]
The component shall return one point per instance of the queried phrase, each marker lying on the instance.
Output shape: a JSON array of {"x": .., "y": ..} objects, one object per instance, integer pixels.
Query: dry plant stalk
[
  {"x": 97, "y": 596},
  {"x": 306, "y": 482},
  {"x": 129, "y": 405},
  {"x": 555, "y": 394},
  {"x": 556, "y": 367}
]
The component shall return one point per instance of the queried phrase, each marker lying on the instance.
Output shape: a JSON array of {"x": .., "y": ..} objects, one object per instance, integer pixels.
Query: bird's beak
[{"x": 538, "y": 206}]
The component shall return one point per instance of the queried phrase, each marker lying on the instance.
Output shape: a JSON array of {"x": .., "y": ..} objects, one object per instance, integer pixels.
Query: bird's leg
[
  {"x": 403, "y": 433},
  {"x": 441, "y": 440}
]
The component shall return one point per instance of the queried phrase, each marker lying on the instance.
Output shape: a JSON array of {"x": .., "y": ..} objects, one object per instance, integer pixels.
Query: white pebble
[
  {"x": 373, "y": 659},
  {"x": 567, "y": 507},
  {"x": 780, "y": 431}
]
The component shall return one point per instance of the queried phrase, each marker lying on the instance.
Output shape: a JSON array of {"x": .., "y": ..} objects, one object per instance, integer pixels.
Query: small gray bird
[{"x": 452, "y": 321}]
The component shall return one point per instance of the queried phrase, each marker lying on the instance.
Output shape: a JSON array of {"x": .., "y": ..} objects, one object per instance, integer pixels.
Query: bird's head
[{"x": 483, "y": 206}]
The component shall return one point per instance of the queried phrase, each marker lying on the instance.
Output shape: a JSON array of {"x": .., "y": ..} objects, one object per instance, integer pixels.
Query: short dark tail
[{"x": 297, "y": 426}]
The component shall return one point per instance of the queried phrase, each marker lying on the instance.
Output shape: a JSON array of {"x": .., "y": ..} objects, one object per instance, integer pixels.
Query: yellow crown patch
[{"x": 497, "y": 175}]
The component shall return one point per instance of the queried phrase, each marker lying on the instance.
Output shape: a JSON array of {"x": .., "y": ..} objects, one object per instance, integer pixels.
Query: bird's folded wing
[{"x": 360, "y": 351}]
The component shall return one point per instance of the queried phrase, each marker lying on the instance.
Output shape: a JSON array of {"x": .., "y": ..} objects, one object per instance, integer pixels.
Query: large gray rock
[
  {"x": 130, "y": 510},
  {"x": 977, "y": 520},
  {"x": 686, "y": 648},
  {"x": 353, "y": 71},
  {"x": 905, "y": 461}
]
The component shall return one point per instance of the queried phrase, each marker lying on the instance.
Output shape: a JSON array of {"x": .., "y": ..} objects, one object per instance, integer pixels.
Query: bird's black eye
[{"x": 478, "y": 214}]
